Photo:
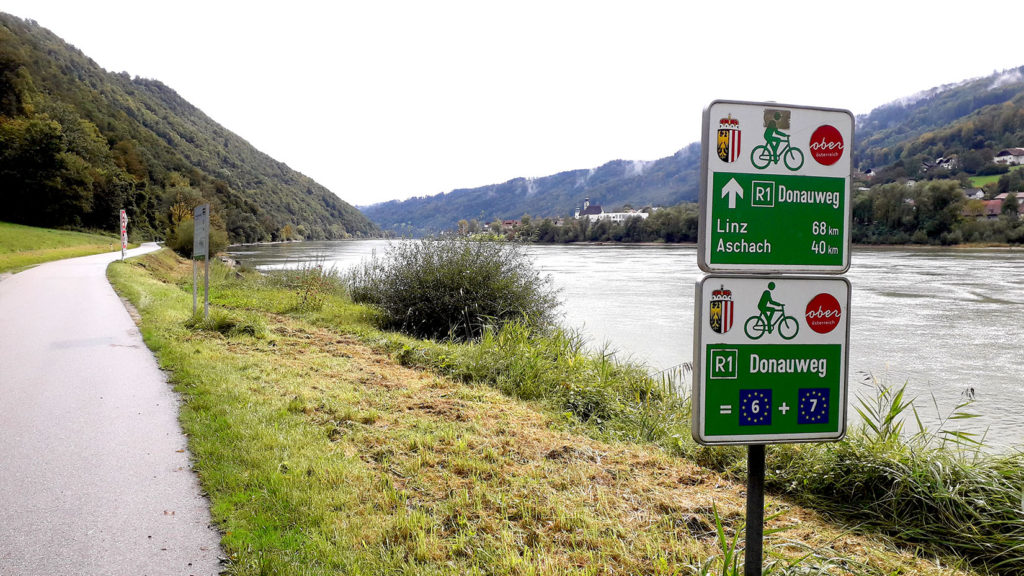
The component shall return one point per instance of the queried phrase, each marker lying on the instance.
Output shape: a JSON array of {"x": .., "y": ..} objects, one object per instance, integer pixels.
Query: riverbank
[
  {"x": 964, "y": 246},
  {"x": 324, "y": 449}
]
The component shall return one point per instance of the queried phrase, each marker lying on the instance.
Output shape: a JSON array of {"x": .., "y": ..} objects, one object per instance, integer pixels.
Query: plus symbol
[{"x": 784, "y": 408}]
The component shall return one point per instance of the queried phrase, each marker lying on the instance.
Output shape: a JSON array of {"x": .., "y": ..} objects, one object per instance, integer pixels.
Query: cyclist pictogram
[
  {"x": 773, "y": 150},
  {"x": 768, "y": 321}
]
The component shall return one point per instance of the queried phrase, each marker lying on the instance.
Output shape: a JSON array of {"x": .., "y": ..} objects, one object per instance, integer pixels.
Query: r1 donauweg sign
[
  {"x": 775, "y": 188},
  {"x": 770, "y": 359}
]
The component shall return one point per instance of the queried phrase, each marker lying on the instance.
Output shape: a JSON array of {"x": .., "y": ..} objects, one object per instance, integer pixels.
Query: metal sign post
[
  {"x": 771, "y": 352},
  {"x": 200, "y": 249},
  {"x": 754, "y": 540}
]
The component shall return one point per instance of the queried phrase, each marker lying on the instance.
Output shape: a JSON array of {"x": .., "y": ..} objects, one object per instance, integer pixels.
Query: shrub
[
  {"x": 180, "y": 238},
  {"x": 229, "y": 324},
  {"x": 454, "y": 288},
  {"x": 311, "y": 283}
]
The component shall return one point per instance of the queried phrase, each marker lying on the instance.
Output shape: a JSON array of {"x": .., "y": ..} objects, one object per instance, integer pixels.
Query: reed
[{"x": 933, "y": 487}]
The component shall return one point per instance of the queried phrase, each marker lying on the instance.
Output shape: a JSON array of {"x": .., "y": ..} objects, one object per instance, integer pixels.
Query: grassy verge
[
  {"x": 979, "y": 181},
  {"x": 323, "y": 454},
  {"x": 23, "y": 246}
]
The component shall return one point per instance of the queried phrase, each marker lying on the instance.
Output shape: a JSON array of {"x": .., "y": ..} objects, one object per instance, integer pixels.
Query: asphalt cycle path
[{"x": 94, "y": 469}]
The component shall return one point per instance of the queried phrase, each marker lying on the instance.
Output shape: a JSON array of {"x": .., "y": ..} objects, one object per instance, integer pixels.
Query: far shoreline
[{"x": 923, "y": 247}]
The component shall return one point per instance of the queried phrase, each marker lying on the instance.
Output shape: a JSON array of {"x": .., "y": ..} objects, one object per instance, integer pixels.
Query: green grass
[
  {"x": 979, "y": 181},
  {"x": 23, "y": 246},
  {"x": 936, "y": 489},
  {"x": 326, "y": 448}
]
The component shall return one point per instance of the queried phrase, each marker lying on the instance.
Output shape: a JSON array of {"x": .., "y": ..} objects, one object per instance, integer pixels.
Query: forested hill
[
  {"x": 78, "y": 143},
  {"x": 663, "y": 182},
  {"x": 971, "y": 120}
]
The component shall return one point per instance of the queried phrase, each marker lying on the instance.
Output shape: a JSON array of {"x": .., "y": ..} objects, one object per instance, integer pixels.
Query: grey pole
[{"x": 206, "y": 303}]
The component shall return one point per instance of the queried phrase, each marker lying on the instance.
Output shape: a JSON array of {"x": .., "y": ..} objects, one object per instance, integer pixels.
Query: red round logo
[
  {"x": 823, "y": 313},
  {"x": 827, "y": 145}
]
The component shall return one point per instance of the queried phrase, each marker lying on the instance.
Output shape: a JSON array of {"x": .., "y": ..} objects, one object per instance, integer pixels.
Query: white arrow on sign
[{"x": 732, "y": 189}]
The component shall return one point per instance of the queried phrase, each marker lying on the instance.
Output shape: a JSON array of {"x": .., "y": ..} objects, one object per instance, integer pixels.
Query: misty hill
[
  {"x": 663, "y": 182},
  {"x": 971, "y": 119},
  {"x": 78, "y": 143}
]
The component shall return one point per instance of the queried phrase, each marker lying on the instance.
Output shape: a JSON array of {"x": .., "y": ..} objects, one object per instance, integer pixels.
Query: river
[{"x": 946, "y": 321}]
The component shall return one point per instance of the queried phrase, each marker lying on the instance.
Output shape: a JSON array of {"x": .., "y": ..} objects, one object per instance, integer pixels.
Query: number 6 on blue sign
[{"x": 756, "y": 407}]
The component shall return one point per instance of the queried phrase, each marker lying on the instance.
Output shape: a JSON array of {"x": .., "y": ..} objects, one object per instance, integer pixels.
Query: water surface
[{"x": 944, "y": 321}]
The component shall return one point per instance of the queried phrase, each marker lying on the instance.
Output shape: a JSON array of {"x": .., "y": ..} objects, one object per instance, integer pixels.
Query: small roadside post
[
  {"x": 771, "y": 335},
  {"x": 124, "y": 233},
  {"x": 201, "y": 249}
]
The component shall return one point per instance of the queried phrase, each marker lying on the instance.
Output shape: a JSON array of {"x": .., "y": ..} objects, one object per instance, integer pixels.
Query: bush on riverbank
[
  {"x": 181, "y": 236},
  {"x": 454, "y": 288}
]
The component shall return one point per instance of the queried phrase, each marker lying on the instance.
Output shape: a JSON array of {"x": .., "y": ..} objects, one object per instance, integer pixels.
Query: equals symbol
[{"x": 725, "y": 409}]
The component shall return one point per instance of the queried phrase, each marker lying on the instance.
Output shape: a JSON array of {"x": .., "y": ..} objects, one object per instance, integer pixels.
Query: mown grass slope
[
  {"x": 22, "y": 246},
  {"x": 322, "y": 454}
]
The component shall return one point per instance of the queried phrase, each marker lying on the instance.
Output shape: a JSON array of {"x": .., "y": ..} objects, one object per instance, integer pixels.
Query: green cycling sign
[
  {"x": 770, "y": 359},
  {"x": 775, "y": 188}
]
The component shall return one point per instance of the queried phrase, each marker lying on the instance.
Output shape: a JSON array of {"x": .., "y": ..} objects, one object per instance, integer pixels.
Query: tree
[
  {"x": 30, "y": 166},
  {"x": 973, "y": 161},
  {"x": 940, "y": 207},
  {"x": 547, "y": 231},
  {"x": 974, "y": 208},
  {"x": 180, "y": 240},
  {"x": 1011, "y": 206},
  {"x": 1010, "y": 182}
]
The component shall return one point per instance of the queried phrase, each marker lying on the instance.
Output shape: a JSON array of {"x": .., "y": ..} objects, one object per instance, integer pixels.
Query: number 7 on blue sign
[{"x": 813, "y": 406}]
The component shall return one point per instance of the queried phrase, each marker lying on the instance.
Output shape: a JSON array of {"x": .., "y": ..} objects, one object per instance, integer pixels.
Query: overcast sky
[{"x": 383, "y": 100}]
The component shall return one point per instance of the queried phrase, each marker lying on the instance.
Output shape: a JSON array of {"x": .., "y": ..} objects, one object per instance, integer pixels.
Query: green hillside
[
  {"x": 78, "y": 143},
  {"x": 971, "y": 120},
  {"x": 664, "y": 182}
]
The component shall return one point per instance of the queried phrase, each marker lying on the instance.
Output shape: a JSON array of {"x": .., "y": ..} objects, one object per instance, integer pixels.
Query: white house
[
  {"x": 1010, "y": 156},
  {"x": 622, "y": 216}
]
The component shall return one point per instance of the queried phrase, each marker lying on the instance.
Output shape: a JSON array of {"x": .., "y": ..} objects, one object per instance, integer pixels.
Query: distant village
[
  {"x": 587, "y": 211},
  {"x": 977, "y": 206},
  {"x": 993, "y": 208}
]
